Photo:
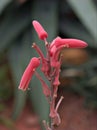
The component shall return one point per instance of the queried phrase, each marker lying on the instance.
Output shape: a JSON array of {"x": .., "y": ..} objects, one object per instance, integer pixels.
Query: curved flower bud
[
  {"x": 71, "y": 43},
  {"x": 28, "y": 73},
  {"x": 42, "y": 34}
]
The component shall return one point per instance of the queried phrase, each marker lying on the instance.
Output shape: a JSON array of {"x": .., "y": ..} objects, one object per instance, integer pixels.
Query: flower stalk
[{"x": 50, "y": 66}]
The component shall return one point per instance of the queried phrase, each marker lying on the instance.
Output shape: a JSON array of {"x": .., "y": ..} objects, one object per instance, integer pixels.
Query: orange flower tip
[{"x": 42, "y": 34}]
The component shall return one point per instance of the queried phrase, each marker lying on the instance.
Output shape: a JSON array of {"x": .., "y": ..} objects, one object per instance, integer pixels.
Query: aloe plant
[{"x": 64, "y": 18}]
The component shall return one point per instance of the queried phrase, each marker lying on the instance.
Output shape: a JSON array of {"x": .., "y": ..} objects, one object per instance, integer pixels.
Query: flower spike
[{"x": 50, "y": 67}]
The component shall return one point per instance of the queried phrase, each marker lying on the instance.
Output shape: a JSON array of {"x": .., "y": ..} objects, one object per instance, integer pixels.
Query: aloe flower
[
  {"x": 28, "y": 73},
  {"x": 59, "y": 43},
  {"x": 42, "y": 34},
  {"x": 71, "y": 43},
  {"x": 50, "y": 67}
]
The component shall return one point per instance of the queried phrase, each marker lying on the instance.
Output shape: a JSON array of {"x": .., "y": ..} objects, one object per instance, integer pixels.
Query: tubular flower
[
  {"x": 71, "y": 43},
  {"x": 42, "y": 34},
  {"x": 28, "y": 73},
  {"x": 58, "y": 44}
]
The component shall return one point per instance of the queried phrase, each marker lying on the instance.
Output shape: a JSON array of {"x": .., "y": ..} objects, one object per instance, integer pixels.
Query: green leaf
[
  {"x": 13, "y": 24},
  {"x": 7, "y": 122},
  {"x": 19, "y": 56},
  {"x": 3, "y": 4},
  {"x": 76, "y": 30},
  {"x": 16, "y": 64},
  {"x": 87, "y": 13}
]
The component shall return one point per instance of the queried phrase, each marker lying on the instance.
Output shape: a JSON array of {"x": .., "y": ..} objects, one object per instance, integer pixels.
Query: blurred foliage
[
  {"x": 7, "y": 122},
  {"x": 5, "y": 76},
  {"x": 71, "y": 18}
]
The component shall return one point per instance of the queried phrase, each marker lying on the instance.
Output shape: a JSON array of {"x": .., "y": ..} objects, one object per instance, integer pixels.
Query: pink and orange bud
[
  {"x": 28, "y": 73},
  {"x": 42, "y": 34},
  {"x": 70, "y": 43}
]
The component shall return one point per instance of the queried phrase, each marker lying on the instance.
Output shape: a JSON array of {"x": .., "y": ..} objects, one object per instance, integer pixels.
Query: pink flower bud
[
  {"x": 71, "y": 43},
  {"x": 28, "y": 73},
  {"x": 42, "y": 34}
]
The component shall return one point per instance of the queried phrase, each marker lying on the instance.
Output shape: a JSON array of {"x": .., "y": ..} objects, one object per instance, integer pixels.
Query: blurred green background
[{"x": 66, "y": 18}]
